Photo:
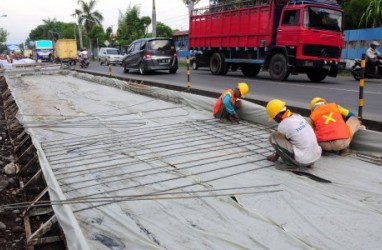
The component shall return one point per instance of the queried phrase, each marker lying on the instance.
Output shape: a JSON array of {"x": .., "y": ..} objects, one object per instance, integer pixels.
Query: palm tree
[
  {"x": 373, "y": 14},
  {"x": 77, "y": 14},
  {"x": 88, "y": 17},
  {"x": 50, "y": 27}
]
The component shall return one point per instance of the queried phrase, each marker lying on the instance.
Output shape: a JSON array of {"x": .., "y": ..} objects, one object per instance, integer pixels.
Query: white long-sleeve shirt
[{"x": 372, "y": 54}]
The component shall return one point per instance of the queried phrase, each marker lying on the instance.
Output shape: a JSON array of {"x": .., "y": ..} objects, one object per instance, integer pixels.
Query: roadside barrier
[{"x": 361, "y": 85}]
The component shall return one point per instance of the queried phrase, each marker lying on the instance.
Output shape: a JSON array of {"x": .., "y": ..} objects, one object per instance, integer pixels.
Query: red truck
[{"x": 282, "y": 36}]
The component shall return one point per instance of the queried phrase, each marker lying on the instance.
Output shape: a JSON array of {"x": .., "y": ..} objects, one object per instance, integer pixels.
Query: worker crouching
[
  {"x": 226, "y": 105},
  {"x": 333, "y": 125},
  {"x": 294, "y": 140}
]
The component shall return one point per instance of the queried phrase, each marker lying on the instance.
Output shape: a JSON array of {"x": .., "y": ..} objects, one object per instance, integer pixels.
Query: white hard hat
[{"x": 375, "y": 43}]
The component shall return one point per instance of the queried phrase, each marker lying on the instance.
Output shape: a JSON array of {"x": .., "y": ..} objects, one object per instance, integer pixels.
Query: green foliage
[
  {"x": 44, "y": 31},
  {"x": 353, "y": 10},
  {"x": 131, "y": 26},
  {"x": 163, "y": 30},
  {"x": 373, "y": 14},
  {"x": 98, "y": 36},
  {"x": 3, "y": 35},
  {"x": 87, "y": 16}
]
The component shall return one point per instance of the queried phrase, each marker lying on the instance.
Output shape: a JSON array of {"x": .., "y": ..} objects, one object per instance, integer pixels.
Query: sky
[{"x": 25, "y": 15}]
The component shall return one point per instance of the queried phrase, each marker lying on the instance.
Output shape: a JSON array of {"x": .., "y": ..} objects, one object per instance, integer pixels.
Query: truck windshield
[{"x": 323, "y": 19}]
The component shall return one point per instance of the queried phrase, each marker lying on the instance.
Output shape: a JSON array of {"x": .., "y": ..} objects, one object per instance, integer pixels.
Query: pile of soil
[{"x": 12, "y": 230}]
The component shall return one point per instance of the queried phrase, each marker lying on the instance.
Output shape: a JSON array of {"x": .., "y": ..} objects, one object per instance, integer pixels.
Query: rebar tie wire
[
  {"x": 176, "y": 169},
  {"x": 138, "y": 197},
  {"x": 179, "y": 187},
  {"x": 147, "y": 161}
]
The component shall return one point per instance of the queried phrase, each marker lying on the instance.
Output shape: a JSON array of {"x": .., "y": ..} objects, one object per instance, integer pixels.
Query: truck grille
[{"x": 321, "y": 51}]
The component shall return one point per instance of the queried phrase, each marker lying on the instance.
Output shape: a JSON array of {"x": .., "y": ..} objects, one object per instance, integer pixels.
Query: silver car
[{"x": 109, "y": 56}]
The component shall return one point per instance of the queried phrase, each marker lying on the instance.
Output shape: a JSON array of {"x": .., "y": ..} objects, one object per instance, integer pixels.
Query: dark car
[
  {"x": 197, "y": 59},
  {"x": 150, "y": 54}
]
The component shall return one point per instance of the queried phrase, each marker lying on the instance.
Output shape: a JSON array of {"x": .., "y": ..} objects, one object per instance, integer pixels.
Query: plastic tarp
[{"x": 149, "y": 168}]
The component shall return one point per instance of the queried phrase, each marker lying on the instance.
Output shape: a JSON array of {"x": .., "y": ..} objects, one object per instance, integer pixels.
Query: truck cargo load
[
  {"x": 283, "y": 37},
  {"x": 27, "y": 53},
  {"x": 65, "y": 50}
]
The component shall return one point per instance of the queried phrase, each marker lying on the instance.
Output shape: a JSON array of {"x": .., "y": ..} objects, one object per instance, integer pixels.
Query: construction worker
[
  {"x": 294, "y": 140},
  {"x": 227, "y": 104},
  {"x": 333, "y": 125}
]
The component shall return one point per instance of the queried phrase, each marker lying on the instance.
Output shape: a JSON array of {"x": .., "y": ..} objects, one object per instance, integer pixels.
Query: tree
[
  {"x": 373, "y": 14},
  {"x": 131, "y": 26},
  {"x": 88, "y": 17},
  {"x": 77, "y": 13},
  {"x": 353, "y": 10},
  {"x": 190, "y": 4},
  {"x": 3, "y": 39},
  {"x": 97, "y": 35},
  {"x": 163, "y": 30}
]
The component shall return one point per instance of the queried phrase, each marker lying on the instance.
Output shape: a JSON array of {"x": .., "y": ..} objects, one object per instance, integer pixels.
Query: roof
[
  {"x": 181, "y": 33},
  {"x": 149, "y": 168}
]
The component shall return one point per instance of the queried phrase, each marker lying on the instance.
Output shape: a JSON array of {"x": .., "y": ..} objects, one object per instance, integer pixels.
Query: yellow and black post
[
  {"x": 361, "y": 85},
  {"x": 188, "y": 73},
  {"x": 109, "y": 64}
]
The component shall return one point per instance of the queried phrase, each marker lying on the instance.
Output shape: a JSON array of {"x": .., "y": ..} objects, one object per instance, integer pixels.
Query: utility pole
[{"x": 154, "y": 21}]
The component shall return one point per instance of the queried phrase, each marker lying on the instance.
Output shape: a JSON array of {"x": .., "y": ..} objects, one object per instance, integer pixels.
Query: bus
[{"x": 43, "y": 50}]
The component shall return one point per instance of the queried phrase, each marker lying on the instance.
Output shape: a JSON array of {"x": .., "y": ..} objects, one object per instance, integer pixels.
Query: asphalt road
[{"x": 297, "y": 91}]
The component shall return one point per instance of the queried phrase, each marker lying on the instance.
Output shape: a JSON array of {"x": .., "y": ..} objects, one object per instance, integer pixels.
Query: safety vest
[
  {"x": 219, "y": 100},
  {"x": 329, "y": 124}
]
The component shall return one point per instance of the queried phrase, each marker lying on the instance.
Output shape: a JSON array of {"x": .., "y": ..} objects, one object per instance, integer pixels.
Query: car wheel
[
  {"x": 194, "y": 65},
  {"x": 125, "y": 69},
  {"x": 173, "y": 71},
  {"x": 142, "y": 69},
  {"x": 100, "y": 62}
]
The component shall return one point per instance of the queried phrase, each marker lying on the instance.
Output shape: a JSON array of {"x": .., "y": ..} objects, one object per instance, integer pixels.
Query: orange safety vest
[
  {"x": 219, "y": 100},
  {"x": 329, "y": 124}
]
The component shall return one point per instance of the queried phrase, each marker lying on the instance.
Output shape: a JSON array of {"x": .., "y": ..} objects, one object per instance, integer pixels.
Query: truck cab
[{"x": 311, "y": 35}]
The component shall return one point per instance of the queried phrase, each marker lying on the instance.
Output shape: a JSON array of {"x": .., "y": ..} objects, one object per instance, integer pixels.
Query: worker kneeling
[
  {"x": 294, "y": 140},
  {"x": 227, "y": 104},
  {"x": 333, "y": 125}
]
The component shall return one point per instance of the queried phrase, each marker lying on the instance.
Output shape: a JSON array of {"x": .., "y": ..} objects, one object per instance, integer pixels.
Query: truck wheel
[
  {"x": 217, "y": 64},
  {"x": 278, "y": 68},
  {"x": 318, "y": 75},
  {"x": 250, "y": 70}
]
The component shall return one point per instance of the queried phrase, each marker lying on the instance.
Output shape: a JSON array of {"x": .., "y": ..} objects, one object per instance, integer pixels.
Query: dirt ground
[{"x": 12, "y": 231}]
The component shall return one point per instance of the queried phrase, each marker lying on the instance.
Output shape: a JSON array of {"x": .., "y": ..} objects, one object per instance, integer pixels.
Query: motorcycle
[
  {"x": 356, "y": 70},
  {"x": 84, "y": 62}
]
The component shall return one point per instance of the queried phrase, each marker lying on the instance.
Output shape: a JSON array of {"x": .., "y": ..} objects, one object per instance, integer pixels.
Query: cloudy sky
[{"x": 25, "y": 15}]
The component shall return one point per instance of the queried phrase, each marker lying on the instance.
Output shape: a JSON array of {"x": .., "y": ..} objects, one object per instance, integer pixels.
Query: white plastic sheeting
[{"x": 178, "y": 169}]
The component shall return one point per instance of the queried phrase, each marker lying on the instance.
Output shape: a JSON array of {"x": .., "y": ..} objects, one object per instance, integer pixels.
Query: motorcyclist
[
  {"x": 373, "y": 56},
  {"x": 83, "y": 54}
]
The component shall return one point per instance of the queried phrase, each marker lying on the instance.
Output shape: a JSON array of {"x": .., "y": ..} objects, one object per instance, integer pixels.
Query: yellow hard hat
[
  {"x": 316, "y": 100},
  {"x": 243, "y": 87},
  {"x": 274, "y": 107}
]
